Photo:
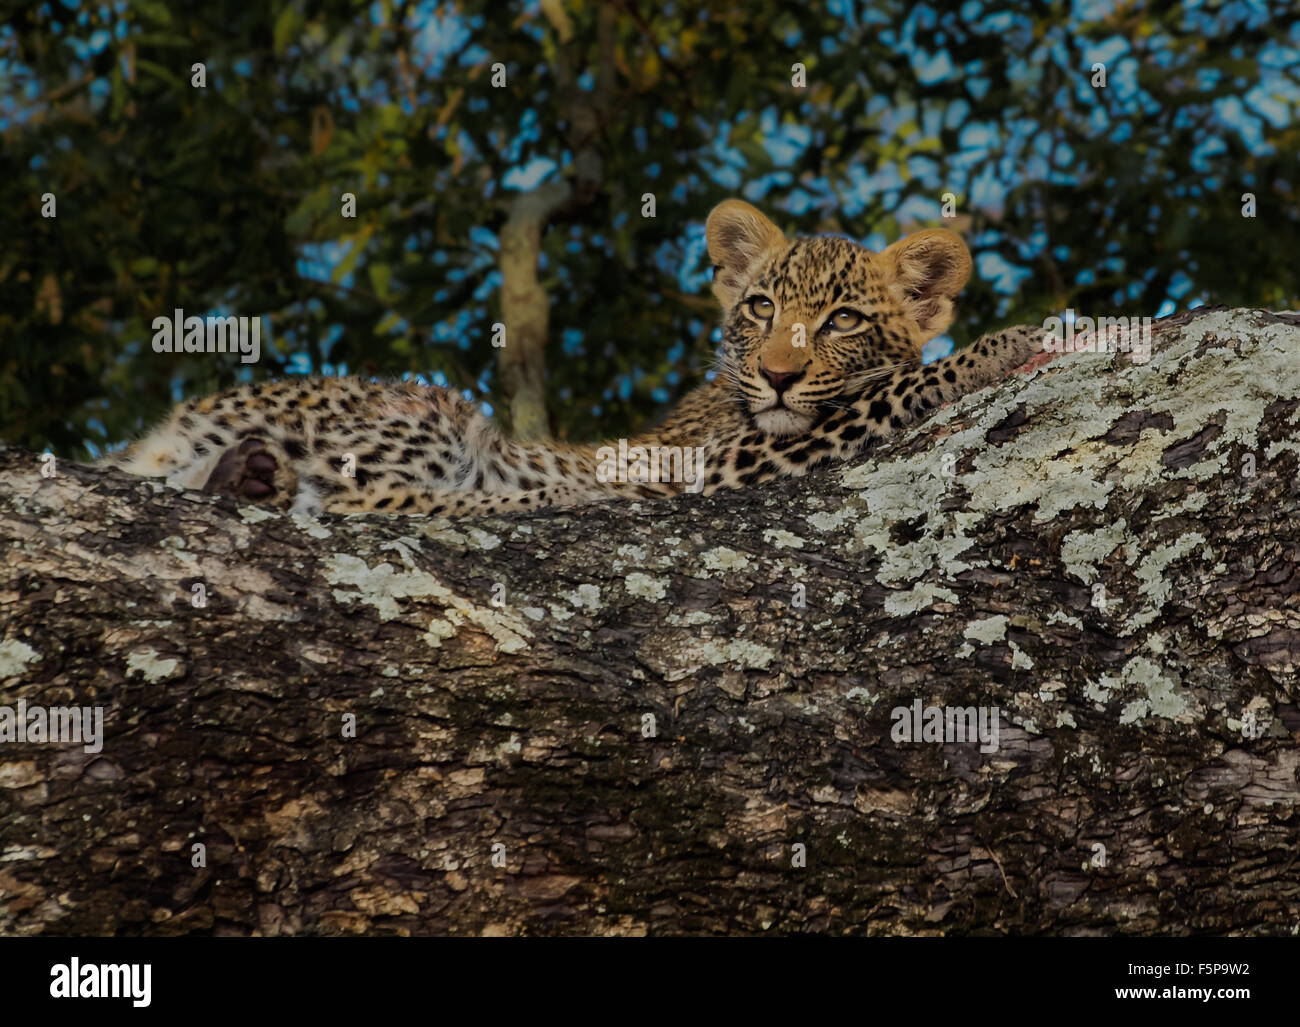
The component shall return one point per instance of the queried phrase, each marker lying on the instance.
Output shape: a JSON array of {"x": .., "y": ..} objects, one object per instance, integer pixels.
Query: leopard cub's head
[{"x": 809, "y": 323}]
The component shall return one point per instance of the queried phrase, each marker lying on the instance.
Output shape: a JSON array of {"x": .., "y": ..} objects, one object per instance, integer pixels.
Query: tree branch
[{"x": 681, "y": 716}]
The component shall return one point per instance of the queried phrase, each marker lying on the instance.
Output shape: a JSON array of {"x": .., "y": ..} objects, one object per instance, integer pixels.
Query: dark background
[{"x": 1125, "y": 199}]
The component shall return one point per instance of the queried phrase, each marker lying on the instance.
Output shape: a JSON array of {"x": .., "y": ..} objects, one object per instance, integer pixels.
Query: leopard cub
[{"x": 821, "y": 353}]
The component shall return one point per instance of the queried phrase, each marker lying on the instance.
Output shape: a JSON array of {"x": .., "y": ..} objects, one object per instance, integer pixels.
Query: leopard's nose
[{"x": 780, "y": 380}]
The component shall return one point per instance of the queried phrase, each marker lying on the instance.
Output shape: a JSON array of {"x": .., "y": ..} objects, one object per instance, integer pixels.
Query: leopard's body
[{"x": 821, "y": 353}]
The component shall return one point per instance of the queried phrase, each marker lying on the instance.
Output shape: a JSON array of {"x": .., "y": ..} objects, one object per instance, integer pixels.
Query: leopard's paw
[
  {"x": 254, "y": 472},
  {"x": 1022, "y": 347}
]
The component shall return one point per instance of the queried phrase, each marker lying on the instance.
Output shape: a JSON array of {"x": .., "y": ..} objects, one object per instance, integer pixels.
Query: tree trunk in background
[
  {"x": 526, "y": 309},
  {"x": 650, "y": 733},
  {"x": 525, "y": 306}
]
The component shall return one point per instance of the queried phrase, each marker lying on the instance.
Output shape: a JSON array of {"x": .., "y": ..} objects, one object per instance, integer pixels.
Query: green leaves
[
  {"x": 380, "y": 276},
  {"x": 288, "y": 25},
  {"x": 229, "y": 197},
  {"x": 154, "y": 11}
]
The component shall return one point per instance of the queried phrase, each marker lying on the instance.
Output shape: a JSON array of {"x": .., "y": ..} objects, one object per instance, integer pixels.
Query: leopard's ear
[
  {"x": 738, "y": 237},
  {"x": 929, "y": 269}
]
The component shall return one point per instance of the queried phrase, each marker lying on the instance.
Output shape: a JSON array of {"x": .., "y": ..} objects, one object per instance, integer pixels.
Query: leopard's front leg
[
  {"x": 909, "y": 393},
  {"x": 887, "y": 405}
]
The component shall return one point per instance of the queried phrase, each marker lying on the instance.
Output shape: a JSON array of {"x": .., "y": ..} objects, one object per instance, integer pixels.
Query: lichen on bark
[{"x": 642, "y": 708}]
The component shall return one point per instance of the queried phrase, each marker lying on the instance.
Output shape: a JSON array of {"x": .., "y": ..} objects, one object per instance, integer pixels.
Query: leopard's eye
[
  {"x": 762, "y": 307},
  {"x": 845, "y": 320}
]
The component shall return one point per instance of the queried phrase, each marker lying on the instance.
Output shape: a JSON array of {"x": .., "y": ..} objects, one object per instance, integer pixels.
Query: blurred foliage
[{"x": 1112, "y": 200}]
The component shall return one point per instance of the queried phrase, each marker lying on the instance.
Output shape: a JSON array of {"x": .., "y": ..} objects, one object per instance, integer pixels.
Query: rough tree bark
[{"x": 1154, "y": 716}]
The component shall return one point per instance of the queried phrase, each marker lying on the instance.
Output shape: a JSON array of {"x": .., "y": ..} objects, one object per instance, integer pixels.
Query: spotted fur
[{"x": 821, "y": 354}]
